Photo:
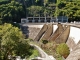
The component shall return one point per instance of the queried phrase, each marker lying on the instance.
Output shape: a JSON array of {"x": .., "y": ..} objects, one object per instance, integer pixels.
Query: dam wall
[
  {"x": 74, "y": 37},
  {"x": 34, "y": 29},
  {"x": 75, "y": 34}
]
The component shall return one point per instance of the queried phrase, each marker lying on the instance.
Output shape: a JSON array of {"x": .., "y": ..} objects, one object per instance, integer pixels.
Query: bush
[
  {"x": 63, "y": 50},
  {"x": 44, "y": 41},
  {"x": 35, "y": 54}
]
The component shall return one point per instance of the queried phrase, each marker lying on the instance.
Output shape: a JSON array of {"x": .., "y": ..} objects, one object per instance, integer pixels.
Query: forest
[{"x": 14, "y": 10}]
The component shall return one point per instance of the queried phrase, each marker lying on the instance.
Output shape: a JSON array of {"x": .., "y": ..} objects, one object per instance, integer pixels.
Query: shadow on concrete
[
  {"x": 25, "y": 31},
  {"x": 63, "y": 37},
  {"x": 48, "y": 32},
  {"x": 58, "y": 31},
  {"x": 42, "y": 31}
]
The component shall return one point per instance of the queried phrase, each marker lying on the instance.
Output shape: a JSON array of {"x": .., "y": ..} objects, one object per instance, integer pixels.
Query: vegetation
[
  {"x": 14, "y": 10},
  {"x": 63, "y": 50},
  {"x": 35, "y": 54},
  {"x": 2, "y": 0},
  {"x": 44, "y": 41},
  {"x": 49, "y": 48},
  {"x": 57, "y": 50},
  {"x": 11, "y": 12},
  {"x": 37, "y": 10},
  {"x": 12, "y": 43},
  {"x": 69, "y": 8}
]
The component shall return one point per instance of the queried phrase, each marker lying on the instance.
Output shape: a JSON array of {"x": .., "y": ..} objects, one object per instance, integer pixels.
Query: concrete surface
[
  {"x": 44, "y": 56},
  {"x": 58, "y": 31},
  {"x": 48, "y": 32},
  {"x": 42, "y": 31}
]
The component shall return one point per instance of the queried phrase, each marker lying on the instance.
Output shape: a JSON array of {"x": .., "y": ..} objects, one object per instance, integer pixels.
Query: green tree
[
  {"x": 63, "y": 50},
  {"x": 12, "y": 42},
  {"x": 69, "y": 8},
  {"x": 11, "y": 12},
  {"x": 37, "y": 10}
]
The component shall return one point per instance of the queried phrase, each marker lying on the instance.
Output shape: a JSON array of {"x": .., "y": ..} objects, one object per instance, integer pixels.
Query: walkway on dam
[{"x": 71, "y": 24}]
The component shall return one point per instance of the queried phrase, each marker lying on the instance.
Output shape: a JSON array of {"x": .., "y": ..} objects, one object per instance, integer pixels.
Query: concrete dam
[
  {"x": 68, "y": 33},
  {"x": 60, "y": 33}
]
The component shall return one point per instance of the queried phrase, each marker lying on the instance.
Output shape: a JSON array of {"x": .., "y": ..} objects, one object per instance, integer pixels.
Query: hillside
[{"x": 36, "y": 8}]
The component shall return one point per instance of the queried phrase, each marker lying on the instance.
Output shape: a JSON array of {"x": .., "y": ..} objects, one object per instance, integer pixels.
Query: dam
[
  {"x": 31, "y": 30},
  {"x": 68, "y": 33}
]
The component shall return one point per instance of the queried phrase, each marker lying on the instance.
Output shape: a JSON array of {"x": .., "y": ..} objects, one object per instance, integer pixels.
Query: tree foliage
[
  {"x": 69, "y": 8},
  {"x": 11, "y": 12},
  {"x": 63, "y": 50},
  {"x": 14, "y": 10},
  {"x": 37, "y": 10},
  {"x": 12, "y": 42}
]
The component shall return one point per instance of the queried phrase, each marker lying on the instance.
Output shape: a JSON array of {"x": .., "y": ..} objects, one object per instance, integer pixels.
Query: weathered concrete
[
  {"x": 33, "y": 31},
  {"x": 74, "y": 37},
  {"x": 42, "y": 31},
  {"x": 56, "y": 33},
  {"x": 75, "y": 54},
  {"x": 62, "y": 38},
  {"x": 70, "y": 43},
  {"x": 48, "y": 32},
  {"x": 74, "y": 33}
]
